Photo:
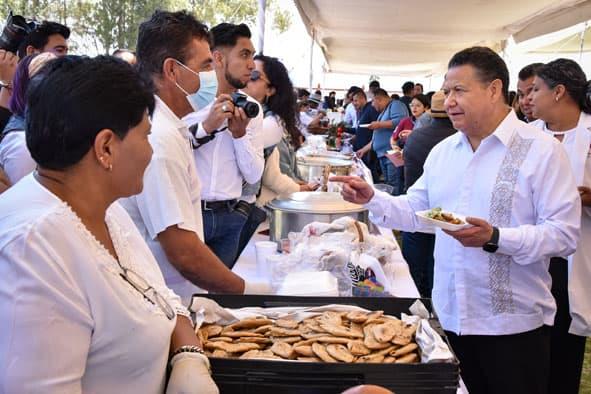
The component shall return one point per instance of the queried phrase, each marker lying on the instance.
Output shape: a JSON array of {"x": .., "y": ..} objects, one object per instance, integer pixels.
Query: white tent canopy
[{"x": 396, "y": 37}]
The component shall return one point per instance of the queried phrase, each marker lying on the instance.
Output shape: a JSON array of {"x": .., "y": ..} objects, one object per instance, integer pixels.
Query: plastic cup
[
  {"x": 264, "y": 249},
  {"x": 272, "y": 262}
]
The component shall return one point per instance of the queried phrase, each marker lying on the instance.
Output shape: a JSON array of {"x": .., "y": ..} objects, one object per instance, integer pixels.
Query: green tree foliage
[{"x": 103, "y": 25}]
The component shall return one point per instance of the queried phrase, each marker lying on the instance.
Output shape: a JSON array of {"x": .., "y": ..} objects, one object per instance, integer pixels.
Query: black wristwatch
[{"x": 493, "y": 243}]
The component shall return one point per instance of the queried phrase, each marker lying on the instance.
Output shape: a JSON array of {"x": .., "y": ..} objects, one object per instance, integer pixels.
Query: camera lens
[{"x": 250, "y": 109}]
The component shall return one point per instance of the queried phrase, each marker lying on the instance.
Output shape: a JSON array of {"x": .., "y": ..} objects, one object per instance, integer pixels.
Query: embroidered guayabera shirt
[{"x": 520, "y": 182}]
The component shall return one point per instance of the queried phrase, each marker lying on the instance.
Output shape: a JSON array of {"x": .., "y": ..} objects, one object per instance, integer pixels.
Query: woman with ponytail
[{"x": 561, "y": 103}]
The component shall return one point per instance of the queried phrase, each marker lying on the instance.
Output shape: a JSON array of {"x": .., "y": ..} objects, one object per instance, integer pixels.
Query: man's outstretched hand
[{"x": 355, "y": 189}]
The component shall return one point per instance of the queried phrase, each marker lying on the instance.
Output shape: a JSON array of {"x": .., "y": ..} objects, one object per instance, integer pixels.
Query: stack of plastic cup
[{"x": 264, "y": 249}]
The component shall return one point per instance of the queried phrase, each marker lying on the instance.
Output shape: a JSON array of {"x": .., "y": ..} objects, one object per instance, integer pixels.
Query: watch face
[{"x": 490, "y": 247}]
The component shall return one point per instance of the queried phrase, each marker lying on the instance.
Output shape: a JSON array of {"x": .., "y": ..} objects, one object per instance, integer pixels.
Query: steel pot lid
[
  {"x": 330, "y": 154},
  {"x": 315, "y": 202},
  {"x": 315, "y": 160}
]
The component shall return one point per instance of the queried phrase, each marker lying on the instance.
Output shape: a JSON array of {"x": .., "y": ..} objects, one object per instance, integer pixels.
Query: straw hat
[{"x": 437, "y": 105}]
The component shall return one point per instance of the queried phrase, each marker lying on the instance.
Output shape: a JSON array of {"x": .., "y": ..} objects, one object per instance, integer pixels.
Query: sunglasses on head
[{"x": 255, "y": 75}]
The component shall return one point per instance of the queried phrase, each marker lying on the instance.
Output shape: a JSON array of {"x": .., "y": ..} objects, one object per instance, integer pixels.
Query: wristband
[{"x": 188, "y": 349}]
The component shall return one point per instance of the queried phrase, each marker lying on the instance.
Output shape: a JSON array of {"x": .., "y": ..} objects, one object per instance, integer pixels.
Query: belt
[{"x": 218, "y": 205}]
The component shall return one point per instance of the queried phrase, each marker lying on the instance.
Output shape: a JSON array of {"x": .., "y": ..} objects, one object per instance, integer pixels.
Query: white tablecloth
[{"x": 403, "y": 284}]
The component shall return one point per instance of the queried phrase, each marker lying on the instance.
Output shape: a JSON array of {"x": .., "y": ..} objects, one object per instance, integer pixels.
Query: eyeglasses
[
  {"x": 149, "y": 293},
  {"x": 255, "y": 75}
]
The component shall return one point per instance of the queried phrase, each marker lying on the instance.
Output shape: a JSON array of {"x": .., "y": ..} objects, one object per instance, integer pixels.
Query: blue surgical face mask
[{"x": 207, "y": 90}]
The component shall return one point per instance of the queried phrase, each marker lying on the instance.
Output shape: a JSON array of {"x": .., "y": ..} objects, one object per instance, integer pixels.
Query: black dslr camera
[
  {"x": 240, "y": 100},
  {"x": 15, "y": 31}
]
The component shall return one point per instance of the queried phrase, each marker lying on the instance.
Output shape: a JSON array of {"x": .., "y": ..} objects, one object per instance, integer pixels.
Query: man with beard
[
  {"x": 525, "y": 85},
  {"x": 233, "y": 153}
]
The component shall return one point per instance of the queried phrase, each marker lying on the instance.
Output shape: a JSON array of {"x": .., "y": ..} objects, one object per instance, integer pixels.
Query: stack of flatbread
[{"x": 348, "y": 337}]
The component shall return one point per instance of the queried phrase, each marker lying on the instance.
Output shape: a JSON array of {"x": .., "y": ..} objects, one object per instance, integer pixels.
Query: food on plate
[
  {"x": 304, "y": 350},
  {"x": 282, "y": 349},
  {"x": 357, "y": 348},
  {"x": 439, "y": 214},
  {"x": 347, "y": 337},
  {"x": 249, "y": 323},
  {"x": 370, "y": 340},
  {"x": 220, "y": 353},
  {"x": 213, "y": 330},
  {"x": 409, "y": 358},
  {"x": 287, "y": 323},
  {"x": 355, "y": 317},
  {"x": 320, "y": 351},
  {"x": 403, "y": 351},
  {"x": 340, "y": 352},
  {"x": 231, "y": 347}
]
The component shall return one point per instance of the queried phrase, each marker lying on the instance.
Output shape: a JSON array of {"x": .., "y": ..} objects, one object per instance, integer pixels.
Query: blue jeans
[
  {"x": 393, "y": 176},
  {"x": 417, "y": 249},
  {"x": 222, "y": 228},
  {"x": 256, "y": 217}
]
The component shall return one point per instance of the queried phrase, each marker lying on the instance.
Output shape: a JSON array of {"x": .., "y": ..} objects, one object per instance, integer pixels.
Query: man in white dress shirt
[
  {"x": 234, "y": 152},
  {"x": 173, "y": 50},
  {"x": 491, "y": 286}
]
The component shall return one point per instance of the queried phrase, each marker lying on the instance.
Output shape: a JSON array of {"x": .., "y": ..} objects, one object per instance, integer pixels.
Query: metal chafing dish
[
  {"x": 292, "y": 213},
  {"x": 311, "y": 166}
]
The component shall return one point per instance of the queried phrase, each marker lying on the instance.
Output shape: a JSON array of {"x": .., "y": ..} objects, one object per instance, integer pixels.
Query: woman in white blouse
[
  {"x": 83, "y": 305},
  {"x": 562, "y": 106},
  {"x": 271, "y": 86}
]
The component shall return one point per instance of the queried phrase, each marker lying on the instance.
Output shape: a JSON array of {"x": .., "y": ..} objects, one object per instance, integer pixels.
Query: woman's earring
[{"x": 111, "y": 167}]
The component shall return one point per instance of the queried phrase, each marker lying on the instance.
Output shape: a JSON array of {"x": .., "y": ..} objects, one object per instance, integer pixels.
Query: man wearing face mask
[
  {"x": 173, "y": 50},
  {"x": 233, "y": 153}
]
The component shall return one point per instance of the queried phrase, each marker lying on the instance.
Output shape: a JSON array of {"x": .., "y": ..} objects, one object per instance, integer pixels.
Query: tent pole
[
  {"x": 261, "y": 25},
  {"x": 311, "y": 57},
  {"x": 582, "y": 42}
]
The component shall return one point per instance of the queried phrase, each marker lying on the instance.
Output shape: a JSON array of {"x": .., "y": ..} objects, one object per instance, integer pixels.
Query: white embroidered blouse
[{"x": 68, "y": 321}]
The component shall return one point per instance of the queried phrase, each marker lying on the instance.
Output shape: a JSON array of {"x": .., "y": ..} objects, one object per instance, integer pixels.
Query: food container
[
  {"x": 235, "y": 376},
  {"x": 292, "y": 213},
  {"x": 311, "y": 167}
]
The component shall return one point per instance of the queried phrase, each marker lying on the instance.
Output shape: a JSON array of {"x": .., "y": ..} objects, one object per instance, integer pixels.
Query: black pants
[
  {"x": 504, "y": 364},
  {"x": 417, "y": 249},
  {"x": 567, "y": 350}
]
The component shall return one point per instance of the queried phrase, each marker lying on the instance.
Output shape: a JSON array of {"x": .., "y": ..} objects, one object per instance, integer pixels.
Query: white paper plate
[
  {"x": 365, "y": 125},
  {"x": 427, "y": 221}
]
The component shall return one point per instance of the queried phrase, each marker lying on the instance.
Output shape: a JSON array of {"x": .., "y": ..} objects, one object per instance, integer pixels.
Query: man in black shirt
[{"x": 417, "y": 248}]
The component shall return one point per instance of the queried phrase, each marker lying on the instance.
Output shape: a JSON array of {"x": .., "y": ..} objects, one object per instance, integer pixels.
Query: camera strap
[{"x": 199, "y": 142}]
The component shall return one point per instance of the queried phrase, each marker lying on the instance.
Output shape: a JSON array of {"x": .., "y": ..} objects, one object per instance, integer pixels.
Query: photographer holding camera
[
  {"x": 21, "y": 38},
  {"x": 233, "y": 153}
]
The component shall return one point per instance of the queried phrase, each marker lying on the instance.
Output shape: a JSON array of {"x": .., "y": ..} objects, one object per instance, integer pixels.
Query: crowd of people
[{"x": 131, "y": 182}]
